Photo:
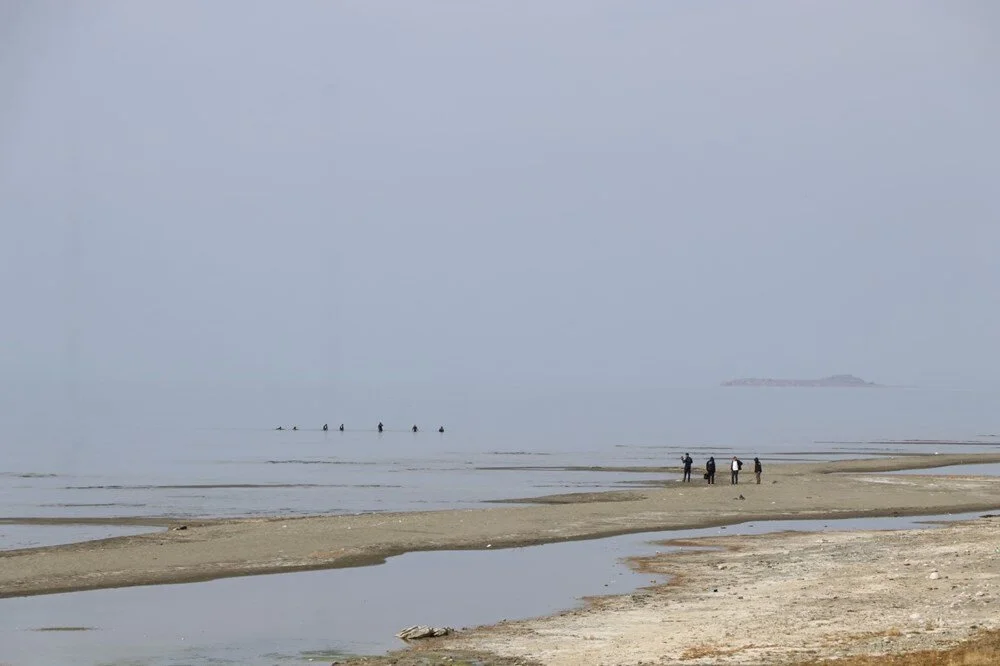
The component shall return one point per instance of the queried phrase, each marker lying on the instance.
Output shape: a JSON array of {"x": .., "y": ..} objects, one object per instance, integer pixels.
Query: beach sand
[
  {"x": 788, "y": 598},
  {"x": 207, "y": 550},
  {"x": 764, "y": 599}
]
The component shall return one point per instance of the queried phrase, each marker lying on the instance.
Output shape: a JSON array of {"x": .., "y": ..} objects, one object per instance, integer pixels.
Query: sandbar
[{"x": 214, "y": 549}]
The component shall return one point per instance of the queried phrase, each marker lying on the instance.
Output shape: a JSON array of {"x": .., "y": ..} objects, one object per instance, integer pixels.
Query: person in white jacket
[{"x": 734, "y": 477}]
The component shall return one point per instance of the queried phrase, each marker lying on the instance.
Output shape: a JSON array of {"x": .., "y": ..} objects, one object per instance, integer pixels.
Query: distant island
[{"x": 833, "y": 381}]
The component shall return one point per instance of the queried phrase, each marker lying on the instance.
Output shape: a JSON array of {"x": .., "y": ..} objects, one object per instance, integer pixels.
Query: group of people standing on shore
[{"x": 735, "y": 465}]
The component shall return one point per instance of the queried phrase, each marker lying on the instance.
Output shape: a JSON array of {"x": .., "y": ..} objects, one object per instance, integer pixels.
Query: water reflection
[{"x": 277, "y": 619}]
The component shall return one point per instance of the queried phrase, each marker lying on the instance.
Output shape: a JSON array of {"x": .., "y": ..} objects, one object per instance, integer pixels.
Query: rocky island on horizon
[{"x": 833, "y": 381}]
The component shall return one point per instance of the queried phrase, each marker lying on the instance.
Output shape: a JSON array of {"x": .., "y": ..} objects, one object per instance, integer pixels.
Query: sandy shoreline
[
  {"x": 787, "y": 598},
  {"x": 209, "y": 550}
]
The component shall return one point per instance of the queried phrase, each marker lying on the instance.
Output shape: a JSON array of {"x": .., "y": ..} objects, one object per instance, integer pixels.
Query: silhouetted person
[
  {"x": 380, "y": 426},
  {"x": 710, "y": 469},
  {"x": 326, "y": 426},
  {"x": 757, "y": 469},
  {"x": 341, "y": 427},
  {"x": 734, "y": 470},
  {"x": 279, "y": 428},
  {"x": 295, "y": 427},
  {"x": 441, "y": 429},
  {"x": 686, "y": 459},
  {"x": 414, "y": 427}
]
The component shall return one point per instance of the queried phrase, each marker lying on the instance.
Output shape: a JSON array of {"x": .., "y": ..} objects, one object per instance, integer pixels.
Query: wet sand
[{"x": 209, "y": 550}]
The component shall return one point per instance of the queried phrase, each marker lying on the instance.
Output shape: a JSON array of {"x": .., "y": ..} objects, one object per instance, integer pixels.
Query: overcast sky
[{"x": 479, "y": 193}]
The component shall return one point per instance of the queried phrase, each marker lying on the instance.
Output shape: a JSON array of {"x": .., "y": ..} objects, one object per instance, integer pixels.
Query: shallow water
[
  {"x": 130, "y": 458},
  {"x": 290, "y": 618},
  {"x": 987, "y": 469},
  {"x": 35, "y": 536}
]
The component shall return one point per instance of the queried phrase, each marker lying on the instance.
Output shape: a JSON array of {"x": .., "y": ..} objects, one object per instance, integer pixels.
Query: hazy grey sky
[{"x": 464, "y": 193}]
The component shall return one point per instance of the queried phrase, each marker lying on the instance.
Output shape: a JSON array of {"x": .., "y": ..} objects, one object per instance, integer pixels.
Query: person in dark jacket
[
  {"x": 688, "y": 461},
  {"x": 380, "y": 426},
  {"x": 710, "y": 469},
  {"x": 757, "y": 469}
]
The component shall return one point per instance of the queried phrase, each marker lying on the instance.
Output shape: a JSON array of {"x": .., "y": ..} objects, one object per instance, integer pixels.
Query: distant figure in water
[
  {"x": 295, "y": 427},
  {"x": 326, "y": 426},
  {"x": 279, "y": 428},
  {"x": 414, "y": 427},
  {"x": 341, "y": 427},
  {"x": 380, "y": 426},
  {"x": 441, "y": 429}
]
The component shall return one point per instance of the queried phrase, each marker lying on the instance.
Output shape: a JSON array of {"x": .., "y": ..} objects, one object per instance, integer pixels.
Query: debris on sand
[{"x": 423, "y": 631}]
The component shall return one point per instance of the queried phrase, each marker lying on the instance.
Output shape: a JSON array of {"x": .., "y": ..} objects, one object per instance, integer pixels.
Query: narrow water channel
[{"x": 316, "y": 616}]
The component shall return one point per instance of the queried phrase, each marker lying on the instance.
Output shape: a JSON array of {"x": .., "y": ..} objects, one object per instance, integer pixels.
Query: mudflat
[{"x": 207, "y": 550}]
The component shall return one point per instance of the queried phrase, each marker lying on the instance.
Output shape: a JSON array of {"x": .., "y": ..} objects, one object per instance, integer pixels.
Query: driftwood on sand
[{"x": 423, "y": 631}]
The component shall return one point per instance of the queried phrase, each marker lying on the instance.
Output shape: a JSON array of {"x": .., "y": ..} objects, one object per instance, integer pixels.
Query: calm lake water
[
  {"x": 216, "y": 453},
  {"x": 320, "y": 615}
]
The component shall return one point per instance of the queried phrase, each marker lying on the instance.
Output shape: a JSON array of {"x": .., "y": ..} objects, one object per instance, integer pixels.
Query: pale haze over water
[
  {"x": 554, "y": 227},
  {"x": 549, "y": 226}
]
